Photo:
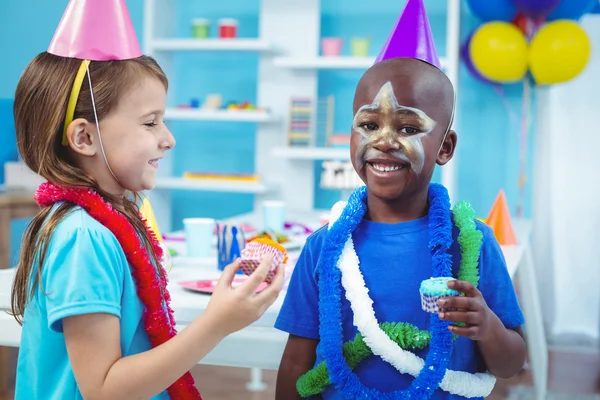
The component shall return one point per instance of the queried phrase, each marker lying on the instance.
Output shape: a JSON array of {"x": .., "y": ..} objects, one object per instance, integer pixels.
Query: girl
[{"x": 90, "y": 290}]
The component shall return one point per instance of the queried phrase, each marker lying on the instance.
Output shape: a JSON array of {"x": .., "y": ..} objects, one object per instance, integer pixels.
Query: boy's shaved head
[
  {"x": 431, "y": 85},
  {"x": 403, "y": 110}
]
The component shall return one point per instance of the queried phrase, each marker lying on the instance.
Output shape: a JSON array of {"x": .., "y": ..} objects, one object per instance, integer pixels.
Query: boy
[{"x": 403, "y": 109}]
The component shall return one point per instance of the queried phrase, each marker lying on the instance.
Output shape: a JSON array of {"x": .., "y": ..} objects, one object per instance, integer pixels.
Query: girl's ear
[{"x": 81, "y": 137}]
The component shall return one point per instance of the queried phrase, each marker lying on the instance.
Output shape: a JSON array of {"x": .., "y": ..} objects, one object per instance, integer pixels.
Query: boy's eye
[
  {"x": 409, "y": 130},
  {"x": 370, "y": 126},
  {"x": 150, "y": 124}
]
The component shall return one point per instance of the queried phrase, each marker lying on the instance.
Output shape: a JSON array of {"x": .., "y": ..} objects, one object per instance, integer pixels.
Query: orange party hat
[{"x": 499, "y": 220}]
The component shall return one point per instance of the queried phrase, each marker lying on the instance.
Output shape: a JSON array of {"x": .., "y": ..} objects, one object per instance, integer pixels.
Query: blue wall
[{"x": 488, "y": 138}]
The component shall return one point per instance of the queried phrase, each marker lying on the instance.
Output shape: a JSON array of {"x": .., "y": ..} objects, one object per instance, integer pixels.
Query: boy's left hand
[{"x": 471, "y": 309}]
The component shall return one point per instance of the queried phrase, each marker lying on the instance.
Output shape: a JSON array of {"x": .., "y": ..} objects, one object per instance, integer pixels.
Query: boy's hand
[{"x": 471, "y": 309}]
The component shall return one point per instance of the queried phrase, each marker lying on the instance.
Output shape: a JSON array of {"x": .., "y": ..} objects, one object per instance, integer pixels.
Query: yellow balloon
[
  {"x": 559, "y": 52},
  {"x": 499, "y": 51}
]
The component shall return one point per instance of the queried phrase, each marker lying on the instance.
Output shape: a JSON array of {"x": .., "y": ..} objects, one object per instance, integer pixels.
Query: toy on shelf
[
  {"x": 301, "y": 114},
  {"x": 254, "y": 252},
  {"x": 221, "y": 176},
  {"x": 339, "y": 175},
  {"x": 500, "y": 222},
  {"x": 244, "y": 105},
  {"x": 213, "y": 102},
  {"x": 339, "y": 140}
]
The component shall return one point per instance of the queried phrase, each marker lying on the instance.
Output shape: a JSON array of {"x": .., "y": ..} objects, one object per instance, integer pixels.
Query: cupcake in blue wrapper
[{"x": 432, "y": 290}]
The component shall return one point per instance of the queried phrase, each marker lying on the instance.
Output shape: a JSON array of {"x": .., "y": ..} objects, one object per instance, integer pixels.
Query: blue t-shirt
[
  {"x": 85, "y": 271},
  {"x": 394, "y": 259}
]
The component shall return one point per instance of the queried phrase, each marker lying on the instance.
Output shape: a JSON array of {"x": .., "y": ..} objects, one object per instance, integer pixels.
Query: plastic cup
[
  {"x": 200, "y": 28},
  {"x": 273, "y": 215},
  {"x": 359, "y": 47},
  {"x": 198, "y": 236},
  {"x": 331, "y": 47},
  {"x": 228, "y": 28}
]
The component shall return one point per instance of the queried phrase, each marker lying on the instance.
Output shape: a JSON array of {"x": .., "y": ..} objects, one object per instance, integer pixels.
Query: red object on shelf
[{"x": 227, "y": 28}]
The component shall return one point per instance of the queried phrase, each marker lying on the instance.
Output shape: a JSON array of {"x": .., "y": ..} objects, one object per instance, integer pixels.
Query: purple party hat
[{"x": 411, "y": 37}]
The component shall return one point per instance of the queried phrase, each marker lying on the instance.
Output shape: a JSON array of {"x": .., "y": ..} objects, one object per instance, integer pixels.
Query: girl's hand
[
  {"x": 470, "y": 309},
  {"x": 234, "y": 308}
]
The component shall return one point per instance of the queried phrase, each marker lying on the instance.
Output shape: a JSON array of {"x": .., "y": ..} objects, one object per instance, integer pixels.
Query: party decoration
[
  {"x": 493, "y": 10},
  {"x": 466, "y": 56},
  {"x": 96, "y": 30},
  {"x": 559, "y": 52},
  {"x": 147, "y": 213},
  {"x": 500, "y": 222},
  {"x": 411, "y": 37},
  {"x": 536, "y": 8},
  {"x": 572, "y": 9},
  {"x": 499, "y": 52},
  {"x": 520, "y": 21},
  {"x": 230, "y": 243}
]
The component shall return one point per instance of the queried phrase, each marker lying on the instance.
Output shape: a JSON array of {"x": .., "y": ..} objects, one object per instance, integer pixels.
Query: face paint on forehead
[{"x": 401, "y": 128}]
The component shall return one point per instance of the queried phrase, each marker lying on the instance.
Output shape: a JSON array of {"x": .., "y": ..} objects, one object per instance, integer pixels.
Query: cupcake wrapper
[
  {"x": 252, "y": 255},
  {"x": 429, "y": 303}
]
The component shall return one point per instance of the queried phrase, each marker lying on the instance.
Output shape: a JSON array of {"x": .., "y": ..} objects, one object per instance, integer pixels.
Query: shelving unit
[
  {"x": 311, "y": 153},
  {"x": 288, "y": 67},
  {"x": 361, "y": 63},
  {"x": 216, "y": 185},
  {"x": 218, "y": 115},
  {"x": 163, "y": 45}
]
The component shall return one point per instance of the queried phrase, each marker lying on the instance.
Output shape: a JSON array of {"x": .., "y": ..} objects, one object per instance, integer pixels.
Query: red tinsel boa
[{"x": 159, "y": 321}]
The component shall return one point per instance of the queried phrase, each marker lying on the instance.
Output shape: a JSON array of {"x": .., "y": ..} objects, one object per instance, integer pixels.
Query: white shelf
[
  {"x": 211, "y": 185},
  {"x": 210, "y": 44},
  {"x": 331, "y": 62},
  {"x": 199, "y": 114},
  {"x": 311, "y": 153}
]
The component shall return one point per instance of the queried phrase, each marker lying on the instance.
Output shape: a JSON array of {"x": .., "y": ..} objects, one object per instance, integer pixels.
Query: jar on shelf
[
  {"x": 228, "y": 28},
  {"x": 200, "y": 28}
]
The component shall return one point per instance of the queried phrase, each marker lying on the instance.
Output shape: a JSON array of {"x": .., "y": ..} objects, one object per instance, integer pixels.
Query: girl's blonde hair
[{"x": 39, "y": 111}]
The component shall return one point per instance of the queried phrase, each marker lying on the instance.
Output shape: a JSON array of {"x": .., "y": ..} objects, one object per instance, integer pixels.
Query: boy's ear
[
  {"x": 81, "y": 138},
  {"x": 447, "y": 149}
]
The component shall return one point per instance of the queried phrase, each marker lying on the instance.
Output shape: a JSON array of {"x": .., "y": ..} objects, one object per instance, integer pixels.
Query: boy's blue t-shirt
[
  {"x": 85, "y": 271},
  {"x": 394, "y": 259}
]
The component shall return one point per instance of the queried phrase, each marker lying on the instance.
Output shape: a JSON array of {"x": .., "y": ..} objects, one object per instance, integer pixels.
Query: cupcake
[
  {"x": 432, "y": 290},
  {"x": 254, "y": 251}
]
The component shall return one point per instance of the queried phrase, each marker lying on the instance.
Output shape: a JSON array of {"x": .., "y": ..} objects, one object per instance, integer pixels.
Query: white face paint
[{"x": 399, "y": 127}]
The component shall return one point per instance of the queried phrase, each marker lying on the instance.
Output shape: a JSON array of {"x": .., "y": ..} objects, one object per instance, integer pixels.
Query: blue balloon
[
  {"x": 493, "y": 10},
  {"x": 536, "y": 8},
  {"x": 596, "y": 9},
  {"x": 572, "y": 9}
]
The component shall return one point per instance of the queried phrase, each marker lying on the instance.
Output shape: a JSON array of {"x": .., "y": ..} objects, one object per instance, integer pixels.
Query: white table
[{"x": 260, "y": 346}]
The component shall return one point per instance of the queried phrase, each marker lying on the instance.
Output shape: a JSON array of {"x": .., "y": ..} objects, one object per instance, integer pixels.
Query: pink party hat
[
  {"x": 411, "y": 37},
  {"x": 97, "y": 30}
]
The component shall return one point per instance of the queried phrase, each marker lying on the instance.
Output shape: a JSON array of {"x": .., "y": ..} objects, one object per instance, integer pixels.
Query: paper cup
[
  {"x": 273, "y": 215},
  {"x": 198, "y": 236}
]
